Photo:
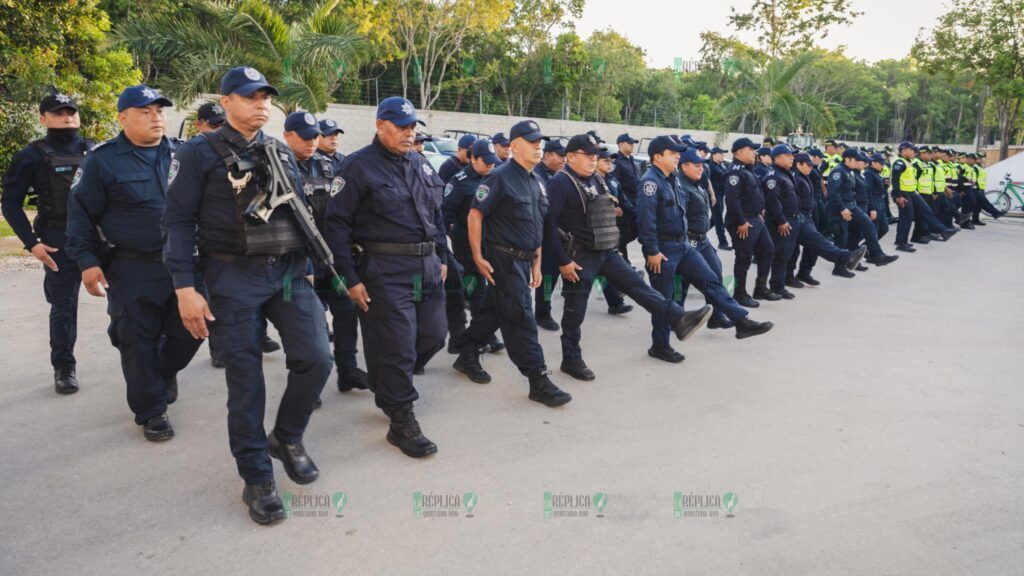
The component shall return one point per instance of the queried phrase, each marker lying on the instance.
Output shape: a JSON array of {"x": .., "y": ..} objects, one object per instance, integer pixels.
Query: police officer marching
[
  {"x": 46, "y": 168},
  {"x": 114, "y": 234},
  {"x": 551, "y": 162},
  {"x": 744, "y": 219},
  {"x": 255, "y": 266},
  {"x": 843, "y": 213},
  {"x": 387, "y": 210}
]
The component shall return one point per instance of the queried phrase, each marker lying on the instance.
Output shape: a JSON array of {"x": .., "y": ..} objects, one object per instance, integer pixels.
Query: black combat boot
[
  {"x": 405, "y": 433},
  {"x": 265, "y": 506},
  {"x": 297, "y": 463},
  {"x": 543, "y": 390},
  {"x": 468, "y": 363},
  {"x": 761, "y": 291},
  {"x": 745, "y": 328},
  {"x": 64, "y": 381}
]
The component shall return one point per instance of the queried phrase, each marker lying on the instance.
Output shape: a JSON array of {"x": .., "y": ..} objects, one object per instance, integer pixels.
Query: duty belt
[
  {"x": 124, "y": 254},
  {"x": 527, "y": 255},
  {"x": 396, "y": 249},
  {"x": 695, "y": 235},
  {"x": 670, "y": 237},
  {"x": 251, "y": 260},
  {"x": 792, "y": 215}
]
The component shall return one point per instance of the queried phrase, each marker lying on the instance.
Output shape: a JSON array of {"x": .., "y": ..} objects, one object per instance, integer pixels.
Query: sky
[{"x": 879, "y": 34}]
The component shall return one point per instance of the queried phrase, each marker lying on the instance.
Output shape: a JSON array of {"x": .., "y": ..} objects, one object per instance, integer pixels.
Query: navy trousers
[
  {"x": 757, "y": 243},
  {"x": 61, "y": 291}
]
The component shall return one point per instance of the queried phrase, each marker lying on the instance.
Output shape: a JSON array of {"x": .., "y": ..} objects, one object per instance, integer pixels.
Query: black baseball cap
[
  {"x": 662, "y": 143},
  {"x": 555, "y": 146},
  {"x": 328, "y": 127},
  {"x": 244, "y": 80},
  {"x": 626, "y": 138},
  {"x": 585, "y": 143},
  {"x": 527, "y": 130},
  {"x": 741, "y": 143},
  {"x": 54, "y": 102},
  {"x": 211, "y": 112}
]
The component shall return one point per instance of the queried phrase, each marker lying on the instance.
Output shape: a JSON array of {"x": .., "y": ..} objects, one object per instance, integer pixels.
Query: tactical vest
[
  {"x": 599, "y": 211},
  {"x": 925, "y": 178},
  {"x": 970, "y": 175},
  {"x": 318, "y": 189},
  {"x": 243, "y": 234},
  {"x": 908, "y": 178},
  {"x": 53, "y": 186}
]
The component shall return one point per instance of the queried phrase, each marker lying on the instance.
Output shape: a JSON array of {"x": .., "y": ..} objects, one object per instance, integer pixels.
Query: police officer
[
  {"x": 302, "y": 135},
  {"x": 209, "y": 117},
  {"x": 552, "y": 161},
  {"x": 717, "y": 169},
  {"x": 117, "y": 198},
  {"x": 512, "y": 203},
  {"x": 389, "y": 209},
  {"x": 627, "y": 173},
  {"x": 832, "y": 157},
  {"x": 459, "y": 161},
  {"x": 808, "y": 237},
  {"x": 976, "y": 163},
  {"x": 843, "y": 213},
  {"x": 421, "y": 137},
  {"x": 253, "y": 269},
  {"x": 501, "y": 149},
  {"x": 45, "y": 168},
  {"x": 905, "y": 182},
  {"x": 329, "y": 142},
  {"x": 878, "y": 194},
  {"x": 744, "y": 219},
  {"x": 782, "y": 207},
  {"x": 728, "y": 313},
  {"x": 584, "y": 212},
  {"x": 764, "y": 163},
  {"x": 625, "y": 212},
  {"x": 458, "y": 199}
]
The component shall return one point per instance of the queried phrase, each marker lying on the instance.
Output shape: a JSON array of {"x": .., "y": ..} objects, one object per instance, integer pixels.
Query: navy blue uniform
[
  {"x": 906, "y": 212},
  {"x": 513, "y": 203},
  {"x": 248, "y": 281},
  {"x": 627, "y": 174},
  {"x": 716, "y": 172},
  {"x": 449, "y": 168},
  {"x": 458, "y": 199},
  {"x": 744, "y": 203},
  {"x": 783, "y": 207},
  {"x": 390, "y": 207},
  {"x": 662, "y": 225},
  {"x": 842, "y": 196},
  {"x": 548, "y": 265},
  {"x": 336, "y": 159},
  {"x": 46, "y": 167},
  {"x": 875, "y": 185},
  {"x": 121, "y": 189},
  {"x": 568, "y": 212},
  {"x": 807, "y": 234}
]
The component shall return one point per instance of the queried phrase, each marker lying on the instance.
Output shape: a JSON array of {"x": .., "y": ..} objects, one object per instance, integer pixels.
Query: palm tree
[
  {"x": 764, "y": 95},
  {"x": 305, "y": 59}
]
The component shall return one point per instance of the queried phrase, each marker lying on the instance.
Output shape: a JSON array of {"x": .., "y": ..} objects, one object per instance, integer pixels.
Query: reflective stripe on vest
[{"x": 908, "y": 178}]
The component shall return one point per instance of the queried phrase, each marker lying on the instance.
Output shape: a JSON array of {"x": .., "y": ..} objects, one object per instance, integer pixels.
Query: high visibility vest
[
  {"x": 908, "y": 178},
  {"x": 940, "y": 176},
  {"x": 925, "y": 177},
  {"x": 886, "y": 171},
  {"x": 981, "y": 177},
  {"x": 831, "y": 162},
  {"x": 969, "y": 175}
]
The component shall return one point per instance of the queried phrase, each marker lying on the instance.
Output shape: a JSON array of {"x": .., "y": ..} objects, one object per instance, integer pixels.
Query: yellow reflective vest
[{"x": 925, "y": 177}]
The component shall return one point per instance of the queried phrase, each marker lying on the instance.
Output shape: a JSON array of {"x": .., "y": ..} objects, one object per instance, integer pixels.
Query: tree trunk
[{"x": 979, "y": 122}]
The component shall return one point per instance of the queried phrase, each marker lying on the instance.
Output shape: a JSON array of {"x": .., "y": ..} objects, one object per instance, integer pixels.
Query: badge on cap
[
  {"x": 337, "y": 185},
  {"x": 490, "y": 147},
  {"x": 482, "y": 191},
  {"x": 734, "y": 180},
  {"x": 408, "y": 109},
  {"x": 309, "y": 119},
  {"x": 149, "y": 93},
  {"x": 533, "y": 126},
  {"x": 62, "y": 98},
  {"x": 252, "y": 73},
  {"x": 650, "y": 188},
  {"x": 330, "y": 123},
  {"x": 173, "y": 171},
  {"x": 771, "y": 184},
  {"x": 217, "y": 109}
]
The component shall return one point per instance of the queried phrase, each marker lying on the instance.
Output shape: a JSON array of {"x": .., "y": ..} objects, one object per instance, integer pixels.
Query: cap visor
[
  {"x": 161, "y": 100},
  {"x": 534, "y": 136},
  {"x": 308, "y": 133},
  {"x": 407, "y": 121},
  {"x": 247, "y": 89},
  {"x": 490, "y": 158},
  {"x": 69, "y": 106}
]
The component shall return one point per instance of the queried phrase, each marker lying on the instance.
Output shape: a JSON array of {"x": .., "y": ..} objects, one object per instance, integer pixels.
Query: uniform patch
[
  {"x": 734, "y": 180},
  {"x": 149, "y": 93},
  {"x": 337, "y": 185},
  {"x": 173, "y": 171},
  {"x": 309, "y": 119},
  {"x": 447, "y": 190},
  {"x": 771, "y": 184},
  {"x": 428, "y": 170},
  {"x": 62, "y": 98},
  {"x": 408, "y": 109},
  {"x": 836, "y": 176},
  {"x": 252, "y": 73},
  {"x": 482, "y": 191},
  {"x": 77, "y": 178},
  {"x": 650, "y": 188},
  {"x": 308, "y": 188}
]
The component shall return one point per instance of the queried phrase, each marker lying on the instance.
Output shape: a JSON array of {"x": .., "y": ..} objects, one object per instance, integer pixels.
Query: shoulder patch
[
  {"x": 835, "y": 175},
  {"x": 482, "y": 191},
  {"x": 427, "y": 169},
  {"x": 650, "y": 188},
  {"x": 734, "y": 180},
  {"x": 77, "y": 178},
  {"x": 447, "y": 189},
  {"x": 173, "y": 171},
  {"x": 337, "y": 184},
  {"x": 771, "y": 183}
]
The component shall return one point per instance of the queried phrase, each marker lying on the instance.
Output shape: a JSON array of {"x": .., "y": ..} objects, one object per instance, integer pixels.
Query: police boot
[
  {"x": 578, "y": 369},
  {"x": 745, "y": 328},
  {"x": 548, "y": 323},
  {"x": 742, "y": 298},
  {"x": 882, "y": 259},
  {"x": 906, "y": 247},
  {"x": 171, "y": 389},
  {"x": 620, "y": 309},
  {"x": 855, "y": 257},
  {"x": 158, "y": 428},
  {"x": 842, "y": 272},
  {"x": 691, "y": 322},
  {"x": 948, "y": 233},
  {"x": 786, "y": 294},
  {"x": 761, "y": 291},
  {"x": 265, "y": 506},
  {"x": 807, "y": 279},
  {"x": 668, "y": 354},
  {"x": 792, "y": 282},
  {"x": 268, "y": 345},
  {"x": 64, "y": 381},
  {"x": 543, "y": 390},
  {"x": 494, "y": 346},
  {"x": 297, "y": 463},
  {"x": 405, "y": 433},
  {"x": 351, "y": 379},
  {"x": 719, "y": 321},
  {"x": 468, "y": 363}
]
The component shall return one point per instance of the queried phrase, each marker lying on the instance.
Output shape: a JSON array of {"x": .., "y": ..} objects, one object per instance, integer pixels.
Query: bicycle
[{"x": 1010, "y": 197}]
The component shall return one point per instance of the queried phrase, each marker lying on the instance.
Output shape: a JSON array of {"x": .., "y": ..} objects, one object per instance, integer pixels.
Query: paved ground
[{"x": 878, "y": 430}]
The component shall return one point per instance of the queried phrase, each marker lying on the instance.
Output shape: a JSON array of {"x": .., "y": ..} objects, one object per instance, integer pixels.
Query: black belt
[
  {"x": 396, "y": 249},
  {"x": 253, "y": 260},
  {"x": 527, "y": 255},
  {"x": 808, "y": 212},
  {"x": 792, "y": 215},
  {"x": 670, "y": 237},
  {"x": 753, "y": 214},
  {"x": 55, "y": 222},
  {"x": 124, "y": 254},
  {"x": 696, "y": 236}
]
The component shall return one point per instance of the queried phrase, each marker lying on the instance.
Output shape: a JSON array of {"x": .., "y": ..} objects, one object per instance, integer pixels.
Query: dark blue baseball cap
[
  {"x": 555, "y": 146},
  {"x": 702, "y": 146},
  {"x": 467, "y": 141},
  {"x": 527, "y": 130},
  {"x": 244, "y": 80},
  {"x": 803, "y": 157},
  {"x": 780, "y": 150},
  {"x": 140, "y": 96},
  {"x": 212, "y": 113},
  {"x": 626, "y": 138},
  {"x": 604, "y": 154},
  {"x": 816, "y": 152},
  {"x": 500, "y": 139},
  {"x": 328, "y": 127},
  {"x": 851, "y": 153},
  {"x": 690, "y": 156},
  {"x": 424, "y": 137},
  {"x": 586, "y": 143},
  {"x": 718, "y": 150},
  {"x": 302, "y": 123},
  {"x": 878, "y": 158},
  {"x": 764, "y": 151},
  {"x": 741, "y": 143},
  {"x": 662, "y": 143},
  {"x": 484, "y": 150},
  {"x": 398, "y": 111}
]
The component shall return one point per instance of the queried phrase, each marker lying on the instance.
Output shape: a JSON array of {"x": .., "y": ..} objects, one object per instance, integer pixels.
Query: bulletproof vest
[
  {"x": 53, "y": 186},
  {"x": 244, "y": 234},
  {"x": 599, "y": 210},
  {"x": 318, "y": 188}
]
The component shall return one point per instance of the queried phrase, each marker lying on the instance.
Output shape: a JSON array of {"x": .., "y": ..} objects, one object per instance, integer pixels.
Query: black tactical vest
[
  {"x": 52, "y": 182},
  {"x": 318, "y": 188},
  {"x": 241, "y": 234},
  {"x": 599, "y": 209}
]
